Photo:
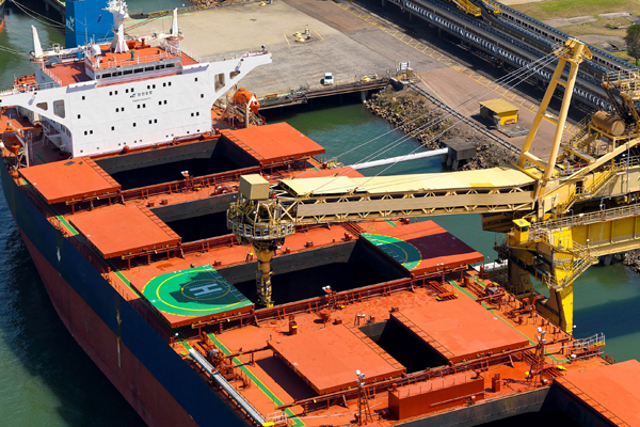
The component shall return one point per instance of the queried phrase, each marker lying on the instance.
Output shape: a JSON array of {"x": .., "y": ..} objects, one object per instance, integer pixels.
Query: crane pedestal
[{"x": 264, "y": 252}]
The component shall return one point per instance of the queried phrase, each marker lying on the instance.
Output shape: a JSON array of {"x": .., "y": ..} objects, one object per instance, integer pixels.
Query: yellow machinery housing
[
  {"x": 559, "y": 214},
  {"x": 499, "y": 112}
]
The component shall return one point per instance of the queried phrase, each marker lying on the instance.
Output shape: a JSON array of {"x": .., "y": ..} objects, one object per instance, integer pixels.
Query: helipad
[{"x": 183, "y": 297}]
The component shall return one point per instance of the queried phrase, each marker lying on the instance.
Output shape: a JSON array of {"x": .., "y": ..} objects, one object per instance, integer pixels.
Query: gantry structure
[{"x": 559, "y": 215}]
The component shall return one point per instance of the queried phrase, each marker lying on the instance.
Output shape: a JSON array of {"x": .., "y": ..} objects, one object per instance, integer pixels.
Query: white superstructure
[{"x": 98, "y": 100}]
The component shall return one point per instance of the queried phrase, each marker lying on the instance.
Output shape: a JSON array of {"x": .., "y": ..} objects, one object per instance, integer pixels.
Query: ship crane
[{"x": 559, "y": 214}]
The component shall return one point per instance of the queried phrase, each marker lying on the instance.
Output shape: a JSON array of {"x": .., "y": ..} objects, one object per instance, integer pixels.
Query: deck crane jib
[{"x": 549, "y": 207}]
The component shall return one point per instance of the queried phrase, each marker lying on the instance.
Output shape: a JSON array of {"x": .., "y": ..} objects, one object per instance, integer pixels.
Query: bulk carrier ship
[{"x": 119, "y": 178}]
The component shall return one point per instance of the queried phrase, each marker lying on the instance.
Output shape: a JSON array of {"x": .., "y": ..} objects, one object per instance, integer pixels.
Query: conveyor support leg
[{"x": 264, "y": 252}]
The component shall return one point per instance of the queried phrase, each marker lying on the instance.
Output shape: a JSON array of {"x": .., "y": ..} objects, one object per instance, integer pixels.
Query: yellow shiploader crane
[{"x": 559, "y": 214}]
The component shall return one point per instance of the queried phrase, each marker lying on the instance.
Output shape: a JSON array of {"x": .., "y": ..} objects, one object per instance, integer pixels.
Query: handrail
[
  {"x": 583, "y": 219},
  {"x": 52, "y": 76},
  {"x": 100, "y": 65}
]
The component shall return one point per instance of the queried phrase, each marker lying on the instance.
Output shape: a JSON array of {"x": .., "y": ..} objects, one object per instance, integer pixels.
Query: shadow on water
[
  {"x": 615, "y": 318},
  {"x": 35, "y": 340}
]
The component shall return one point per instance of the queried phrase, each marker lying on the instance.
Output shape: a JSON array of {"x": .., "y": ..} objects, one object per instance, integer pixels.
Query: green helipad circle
[
  {"x": 403, "y": 252},
  {"x": 197, "y": 291}
]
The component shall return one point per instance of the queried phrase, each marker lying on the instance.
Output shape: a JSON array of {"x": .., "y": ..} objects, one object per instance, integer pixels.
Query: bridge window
[
  {"x": 58, "y": 108},
  {"x": 234, "y": 74},
  {"x": 43, "y": 106}
]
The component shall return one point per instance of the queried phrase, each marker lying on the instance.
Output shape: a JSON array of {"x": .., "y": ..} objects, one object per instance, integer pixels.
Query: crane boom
[{"x": 549, "y": 206}]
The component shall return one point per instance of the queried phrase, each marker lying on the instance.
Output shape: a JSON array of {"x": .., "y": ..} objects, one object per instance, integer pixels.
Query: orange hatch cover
[
  {"x": 422, "y": 247},
  {"x": 328, "y": 358},
  {"x": 124, "y": 230},
  {"x": 273, "y": 143},
  {"x": 613, "y": 391},
  {"x": 460, "y": 329},
  {"x": 69, "y": 180}
]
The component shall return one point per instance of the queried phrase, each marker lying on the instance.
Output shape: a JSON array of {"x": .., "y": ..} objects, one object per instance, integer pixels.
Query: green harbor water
[{"x": 47, "y": 380}]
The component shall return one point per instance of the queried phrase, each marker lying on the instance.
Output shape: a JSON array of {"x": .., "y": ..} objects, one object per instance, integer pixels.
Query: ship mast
[{"x": 119, "y": 10}]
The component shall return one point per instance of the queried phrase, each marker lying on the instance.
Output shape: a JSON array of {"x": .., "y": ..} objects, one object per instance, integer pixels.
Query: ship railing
[
  {"x": 28, "y": 87},
  {"x": 589, "y": 218},
  {"x": 415, "y": 378},
  {"x": 596, "y": 340},
  {"x": 278, "y": 418},
  {"x": 52, "y": 76},
  {"x": 105, "y": 64},
  {"x": 48, "y": 129},
  {"x": 171, "y": 49},
  {"x": 227, "y": 56}
]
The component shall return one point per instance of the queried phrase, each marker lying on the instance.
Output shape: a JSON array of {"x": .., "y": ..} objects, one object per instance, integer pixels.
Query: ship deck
[
  {"x": 75, "y": 72},
  {"x": 307, "y": 374},
  {"x": 393, "y": 299}
]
